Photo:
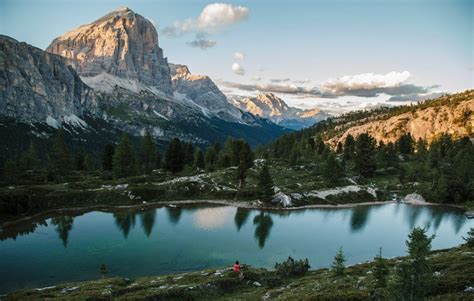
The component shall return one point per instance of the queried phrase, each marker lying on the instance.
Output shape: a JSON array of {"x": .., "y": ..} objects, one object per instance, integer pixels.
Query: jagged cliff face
[
  {"x": 40, "y": 86},
  {"x": 456, "y": 119},
  {"x": 203, "y": 92},
  {"x": 120, "y": 48},
  {"x": 268, "y": 105}
]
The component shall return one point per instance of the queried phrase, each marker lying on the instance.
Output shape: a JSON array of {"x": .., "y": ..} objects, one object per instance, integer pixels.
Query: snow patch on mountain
[
  {"x": 75, "y": 121},
  {"x": 107, "y": 83},
  {"x": 53, "y": 122}
]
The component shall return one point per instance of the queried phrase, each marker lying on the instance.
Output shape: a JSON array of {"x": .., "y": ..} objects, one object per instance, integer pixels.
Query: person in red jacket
[{"x": 236, "y": 267}]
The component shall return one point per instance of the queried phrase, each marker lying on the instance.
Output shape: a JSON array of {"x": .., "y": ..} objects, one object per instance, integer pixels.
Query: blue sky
[{"x": 307, "y": 44}]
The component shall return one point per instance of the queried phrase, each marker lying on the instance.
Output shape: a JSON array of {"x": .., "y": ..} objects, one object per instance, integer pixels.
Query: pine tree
[
  {"x": 89, "y": 164},
  {"x": 188, "y": 151},
  {"x": 245, "y": 162},
  {"x": 29, "y": 159},
  {"x": 338, "y": 267},
  {"x": 470, "y": 238},
  {"x": 158, "y": 160},
  {"x": 59, "y": 159},
  {"x": 108, "y": 157},
  {"x": 235, "y": 147},
  {"x": 124, "y": 164},
  {"x": 174, "y": 158},
  {"x": 79, "y": 161},
  {"x": 332, "y": 170},
  {"x": 380, "y": 271},
  {"x": 210, "y": 158},
  {"x": 147, "y": 153},
  {"x": 293, "y": 157},
  {"x": 405, "y": 144},
  {"x": 414, "y": 278},
  {"x": 217, "y": 147},
  {"x": 391, "y": 156},
  {"x": 319, "y": 145},
  {"x": 364, "y": 155},
  {"x": 200, "y": 163},
  {"x": 265, "y": 185},
  {"x": 421, "y": 149},
  {"x": 349, "y": 148},
  {"x": 224, "y": 160},
  {"x": 10, "y": 171}
]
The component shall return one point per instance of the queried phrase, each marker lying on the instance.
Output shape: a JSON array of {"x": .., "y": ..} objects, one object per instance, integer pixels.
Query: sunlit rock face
[
  {"x": 122, "y": 44},
  {"x": 268, "y": 105},
  {"x": 40, "y": 86},
  {"x": 428, "y": 123}
]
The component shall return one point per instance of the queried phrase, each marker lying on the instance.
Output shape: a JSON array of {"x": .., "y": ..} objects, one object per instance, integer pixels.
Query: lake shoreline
[
  {"x": 258, "y": 283},
  {"x": 238, "y": 204}
]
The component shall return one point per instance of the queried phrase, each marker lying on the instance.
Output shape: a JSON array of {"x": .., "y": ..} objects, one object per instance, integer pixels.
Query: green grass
[{"x": 454, "y": 267}]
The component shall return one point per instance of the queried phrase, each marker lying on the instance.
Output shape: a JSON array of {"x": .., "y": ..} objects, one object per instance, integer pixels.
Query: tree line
[
  {"x": 125, "y": 160},
  {"x": 445, "y": 167}
]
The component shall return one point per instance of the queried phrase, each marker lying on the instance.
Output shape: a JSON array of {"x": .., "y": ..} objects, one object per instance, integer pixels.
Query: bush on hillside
[{"x": 292, "y": 267}]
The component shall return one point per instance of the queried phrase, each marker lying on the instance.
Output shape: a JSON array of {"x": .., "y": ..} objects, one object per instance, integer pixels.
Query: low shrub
[{"x": 292, "y": 267}]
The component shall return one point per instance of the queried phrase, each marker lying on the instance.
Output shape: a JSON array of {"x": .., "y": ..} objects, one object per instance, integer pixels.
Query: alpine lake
[{"x": 151, "y": 241}]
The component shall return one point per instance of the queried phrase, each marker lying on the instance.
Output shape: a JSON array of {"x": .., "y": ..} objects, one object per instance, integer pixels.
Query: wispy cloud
[
  {"x": 239, "y": 55},
  {"x": 237, "y": 69},
  {"x": 279, "y": 80},
  {"x": 261, "y": 87},
  {"x": 213, "y": 18},
  {"x": 371, "y": 85},
  {"x": 304, "y": 81},
  {"x": 202, "y": 43}
]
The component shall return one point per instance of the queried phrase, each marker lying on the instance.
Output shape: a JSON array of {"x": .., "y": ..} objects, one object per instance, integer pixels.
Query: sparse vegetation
[{"x": 454, "y": 267}]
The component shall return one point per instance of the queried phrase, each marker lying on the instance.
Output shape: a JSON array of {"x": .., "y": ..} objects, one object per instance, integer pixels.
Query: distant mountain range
[{"x": 270, "y": 106}]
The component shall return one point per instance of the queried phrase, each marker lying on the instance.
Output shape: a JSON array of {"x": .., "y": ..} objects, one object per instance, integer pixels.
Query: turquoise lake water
[{"x": 135, "y": 243}]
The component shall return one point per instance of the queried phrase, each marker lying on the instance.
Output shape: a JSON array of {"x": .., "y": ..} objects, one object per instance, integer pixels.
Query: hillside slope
[{"x": 450, "y": 114}]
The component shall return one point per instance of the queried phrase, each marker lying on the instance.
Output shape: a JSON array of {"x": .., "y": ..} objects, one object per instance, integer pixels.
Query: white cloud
[
  {"x": 370, "y": 85},
  {"x": 238, "y": 69},
  {"x": 239, "y": 56},
  {"x": 213, "y": 18}
]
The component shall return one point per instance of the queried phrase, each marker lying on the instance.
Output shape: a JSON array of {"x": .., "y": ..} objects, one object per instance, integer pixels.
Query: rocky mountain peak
[
  {"x": 268, "y": 105},
  {"x": 277, "y": 105},
  {"x": 178, "y": 70},
  {"x": 265, "y": 105},
  {"x": 123, "y": 44}
]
